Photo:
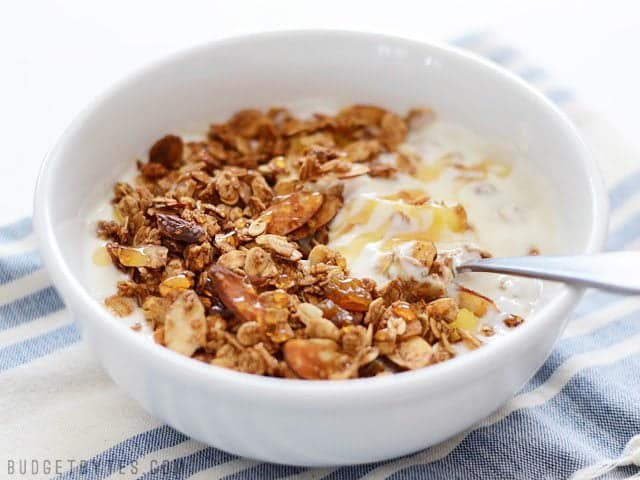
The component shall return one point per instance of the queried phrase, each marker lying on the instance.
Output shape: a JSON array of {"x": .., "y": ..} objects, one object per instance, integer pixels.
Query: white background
[{"x": 57, "y": 55}]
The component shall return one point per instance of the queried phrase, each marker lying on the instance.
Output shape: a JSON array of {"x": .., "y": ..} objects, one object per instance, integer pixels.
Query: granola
[{"x": 224, "y": 241}]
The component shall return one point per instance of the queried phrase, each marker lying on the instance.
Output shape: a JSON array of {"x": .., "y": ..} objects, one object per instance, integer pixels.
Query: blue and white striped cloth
[{"x": 62, "y": 418}]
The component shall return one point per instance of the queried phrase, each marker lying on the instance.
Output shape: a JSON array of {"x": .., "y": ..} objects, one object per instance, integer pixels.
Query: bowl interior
[{"x": 188, "y": 91}]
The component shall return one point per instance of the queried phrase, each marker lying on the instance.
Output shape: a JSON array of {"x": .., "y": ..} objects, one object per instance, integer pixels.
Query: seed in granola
[
  {"x": 167, "y": 151},
  {"x": 237, "y": 295},
  {"x": 149, "y": 256},
  {"x": 292, "y": 212},
  {"x": 178, "y": 229},
  {"x": 185, "y": 327}
]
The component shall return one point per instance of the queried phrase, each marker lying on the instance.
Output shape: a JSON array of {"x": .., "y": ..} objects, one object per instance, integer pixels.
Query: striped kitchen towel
[{"x": 62, "y": 418}]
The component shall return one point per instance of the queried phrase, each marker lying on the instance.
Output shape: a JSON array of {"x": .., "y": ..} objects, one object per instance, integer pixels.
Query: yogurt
[{"x": 461, "y": 192}]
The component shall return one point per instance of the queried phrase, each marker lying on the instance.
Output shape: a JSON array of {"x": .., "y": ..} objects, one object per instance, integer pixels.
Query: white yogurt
[{"x": 508, "y": 209}]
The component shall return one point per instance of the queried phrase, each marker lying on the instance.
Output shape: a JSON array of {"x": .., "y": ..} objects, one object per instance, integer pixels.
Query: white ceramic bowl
[{"x": 304, "y": 422}]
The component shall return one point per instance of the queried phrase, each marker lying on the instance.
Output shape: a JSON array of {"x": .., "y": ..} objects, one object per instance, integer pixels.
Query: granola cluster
[{"x": 224, "y": 242}]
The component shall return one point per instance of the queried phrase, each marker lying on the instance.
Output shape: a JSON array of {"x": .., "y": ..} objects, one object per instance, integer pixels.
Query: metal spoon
[{"x": 614, "y": 271}]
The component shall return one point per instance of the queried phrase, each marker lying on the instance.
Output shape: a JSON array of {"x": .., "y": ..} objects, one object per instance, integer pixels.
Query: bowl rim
[{"x": 291, "y": 391}]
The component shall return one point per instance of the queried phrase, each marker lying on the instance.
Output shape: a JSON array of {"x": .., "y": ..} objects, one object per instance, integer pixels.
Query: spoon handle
[{"x": 613, "y": 271}]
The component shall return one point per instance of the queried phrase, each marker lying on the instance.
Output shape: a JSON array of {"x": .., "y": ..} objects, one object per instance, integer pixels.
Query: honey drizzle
[
  {"x": 101, "y": 257},
  {"x": 442, "y": 219}
]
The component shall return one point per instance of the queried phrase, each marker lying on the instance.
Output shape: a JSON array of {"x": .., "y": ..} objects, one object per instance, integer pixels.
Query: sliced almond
[
  {"x": 237, "y": 295},
  {"x": 475, "y": 302},
  {"x": 291, "y": 212},
  {"x": 315, "y": 359},
  {"x": 185, "y": 327}
]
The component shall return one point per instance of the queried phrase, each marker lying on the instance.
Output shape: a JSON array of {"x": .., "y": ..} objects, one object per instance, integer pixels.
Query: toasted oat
[
  {"x": 280, "y": 246},
  {"x": 412, "y": 353},
  {"x": 425, "y": 253},
  {"x": 233, "y": 260},
  {"x": 119, "y": 305},
  {"x": 260, "y": 265}
]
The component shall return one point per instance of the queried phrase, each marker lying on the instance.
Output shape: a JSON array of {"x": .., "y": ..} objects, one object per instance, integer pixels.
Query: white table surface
[{"x": 56, "y": 55}]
